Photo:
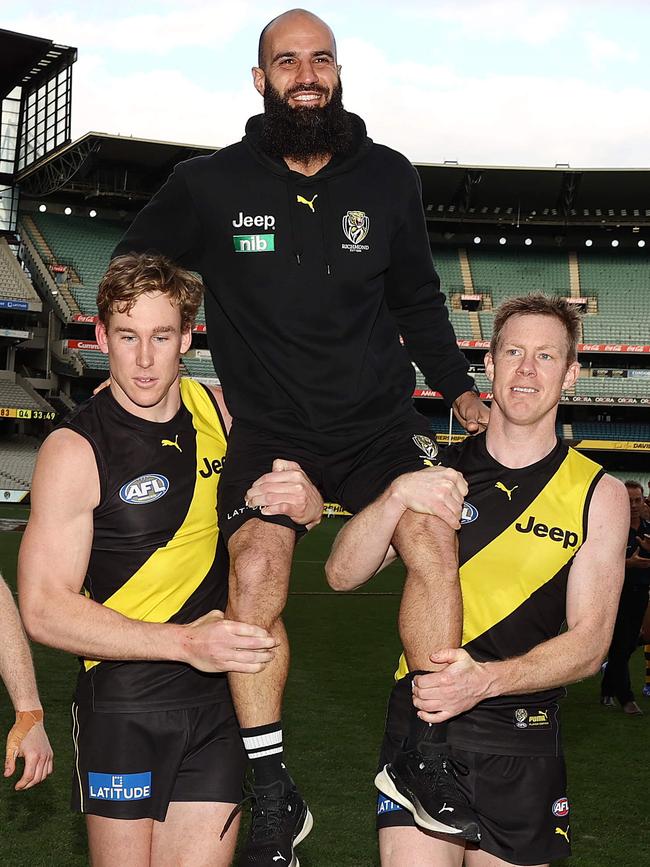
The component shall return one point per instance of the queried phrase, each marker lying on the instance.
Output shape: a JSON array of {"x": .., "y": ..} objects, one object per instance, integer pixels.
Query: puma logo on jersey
[
  {"x": 303, "y": 201},
  {"x": 505, "y": 490},
  {"x": 445, "y": 808},
  {"x": 568, "y": 538},
  {"x": 279, "y": 857},
  {"x": 565, "y": 834},
  {"x": 173, "y": 443}
]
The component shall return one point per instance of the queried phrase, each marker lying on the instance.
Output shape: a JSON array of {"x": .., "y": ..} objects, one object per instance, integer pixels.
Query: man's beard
[{"x": 302, "y": 134}]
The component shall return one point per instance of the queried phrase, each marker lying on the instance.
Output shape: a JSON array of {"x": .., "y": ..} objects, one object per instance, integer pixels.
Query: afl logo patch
[
  {"x": 561, "y": 807},
  {"x": 144, "y": 489},
  {"x": 469, "y": 513},
  {"x": 521, "y": 718}
]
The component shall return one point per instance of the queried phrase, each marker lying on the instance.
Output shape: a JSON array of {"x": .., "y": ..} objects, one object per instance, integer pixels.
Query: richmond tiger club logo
[
  {"x": 356, "y": 225},
  {"x": 428, "y": 448}
]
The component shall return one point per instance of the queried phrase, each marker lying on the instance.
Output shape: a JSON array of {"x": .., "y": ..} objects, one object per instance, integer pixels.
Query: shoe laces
[
  {"x": 267, "y": 815},
  {"x": 442, "y": 771}
]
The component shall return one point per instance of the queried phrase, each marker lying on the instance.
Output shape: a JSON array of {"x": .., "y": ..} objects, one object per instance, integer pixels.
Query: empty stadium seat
[
  {"x": 86, "y": 244},
  {"x": 200, "y": 368},
  {"x": 93, "y": 360},
  {"x": 506, "y": 274},
  {"x": 14, "y": 283},
  {"x": 462, "y": 324},
  {"x": 17, "y": 459},
  {"x": 601, "y": 386},
  {"x": 621, "y": 285},
  {"x": 447, "y": 265},
  {"x": 13, "y": 395},
  {"x": 632, "y": 432}
]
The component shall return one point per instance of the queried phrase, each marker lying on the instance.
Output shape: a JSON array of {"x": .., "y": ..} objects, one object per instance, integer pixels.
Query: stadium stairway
[
  {"x": 574, "y": 275},
  {"x": 475, "y": 324},
  {"x": 68, "y": 357},
  {"x": 466, "y": 271},
  {"x": 42, "y": 255}
]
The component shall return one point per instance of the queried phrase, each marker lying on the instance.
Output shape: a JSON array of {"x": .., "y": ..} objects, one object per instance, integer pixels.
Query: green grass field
[{"x": 344, "y": 652}]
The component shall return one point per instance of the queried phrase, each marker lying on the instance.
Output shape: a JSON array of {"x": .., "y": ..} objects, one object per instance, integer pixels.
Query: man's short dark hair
[
  {"x": 632, "y": 484},
  {"x": 540, "y": 305}
]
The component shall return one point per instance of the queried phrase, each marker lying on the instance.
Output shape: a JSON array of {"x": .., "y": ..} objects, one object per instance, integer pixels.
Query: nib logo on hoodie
[{"x": 254, "y": 243}]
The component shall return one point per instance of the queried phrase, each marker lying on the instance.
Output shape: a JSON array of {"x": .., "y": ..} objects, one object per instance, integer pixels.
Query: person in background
[{"x": 615, "y": 683}]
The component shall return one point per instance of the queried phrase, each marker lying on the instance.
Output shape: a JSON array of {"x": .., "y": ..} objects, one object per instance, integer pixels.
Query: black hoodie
[{"x": 310, "y": 281}]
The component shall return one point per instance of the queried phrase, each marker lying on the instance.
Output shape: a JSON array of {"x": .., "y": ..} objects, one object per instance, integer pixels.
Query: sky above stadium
[{"x": 501, "y": 82}]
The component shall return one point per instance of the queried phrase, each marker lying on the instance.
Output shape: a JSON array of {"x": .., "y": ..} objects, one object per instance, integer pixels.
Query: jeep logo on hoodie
[{"x": 263, "y": 243}]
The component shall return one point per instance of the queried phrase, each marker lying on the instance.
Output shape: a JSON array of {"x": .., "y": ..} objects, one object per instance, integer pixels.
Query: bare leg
[
  {"x": 260, "y": 563},
  {"x": 119, "y": 841},
  {"x": 399, "y": 847},
  {"x": 189, "y": 836},
  {"x": 430, "y": 616},
  {"x": 478, "y": 858}
]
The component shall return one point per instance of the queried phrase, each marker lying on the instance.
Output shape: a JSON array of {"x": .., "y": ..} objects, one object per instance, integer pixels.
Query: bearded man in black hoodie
[{"x": 313, "y": 247}]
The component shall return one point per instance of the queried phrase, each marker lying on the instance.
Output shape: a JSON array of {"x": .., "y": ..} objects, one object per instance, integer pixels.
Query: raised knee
[{"x": 260, "y": 562}]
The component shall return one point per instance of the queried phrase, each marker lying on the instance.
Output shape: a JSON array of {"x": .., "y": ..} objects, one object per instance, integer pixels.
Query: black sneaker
[
  {"x": 608, "y": 700},
  {"x": 280, "y": 820},
  {"x": 427, "y": 788}
]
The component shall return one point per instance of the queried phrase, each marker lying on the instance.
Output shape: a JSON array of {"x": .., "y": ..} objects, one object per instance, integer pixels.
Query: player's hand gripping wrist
[
  {"x": 215, "y": 644},
  {"x": 437, "y": 491}
]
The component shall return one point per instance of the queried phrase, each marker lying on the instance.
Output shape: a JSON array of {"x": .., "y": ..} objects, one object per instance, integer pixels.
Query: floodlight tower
[{"x": 35, "y": 110}]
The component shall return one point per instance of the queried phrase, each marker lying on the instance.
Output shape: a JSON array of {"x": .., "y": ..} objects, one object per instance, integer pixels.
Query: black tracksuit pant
[{"x": 631, "y": 610}]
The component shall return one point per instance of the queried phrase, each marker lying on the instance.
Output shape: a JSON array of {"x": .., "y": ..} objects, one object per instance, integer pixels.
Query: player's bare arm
[
  {"x": 27, "y": 738},
  {"x": 363, "y": 546},
  {"x": 52, "y": 566},
  {"x": 217, "y": 393},
  {"x": 593, "y": 588}
]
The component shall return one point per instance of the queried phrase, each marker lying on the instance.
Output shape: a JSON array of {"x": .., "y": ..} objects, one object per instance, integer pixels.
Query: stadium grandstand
[{"x": 495, "y": 232}]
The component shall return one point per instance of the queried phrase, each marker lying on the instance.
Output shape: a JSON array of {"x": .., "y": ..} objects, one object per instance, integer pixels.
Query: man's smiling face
[{"x": 529, "y": 367}]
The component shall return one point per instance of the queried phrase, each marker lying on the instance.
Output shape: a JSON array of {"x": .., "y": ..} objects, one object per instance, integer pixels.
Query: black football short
[
  {"x": 521, "y": 801},
  {"x": 132, "y": 765},
  {"x": 354, "y": 476}
]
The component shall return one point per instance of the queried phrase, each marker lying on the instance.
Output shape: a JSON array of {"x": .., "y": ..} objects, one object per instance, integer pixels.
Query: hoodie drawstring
[
  {"x": 325, "y": 217},
  {"x": 324, "y": 212},
  {"x": 296, "y": 232}
]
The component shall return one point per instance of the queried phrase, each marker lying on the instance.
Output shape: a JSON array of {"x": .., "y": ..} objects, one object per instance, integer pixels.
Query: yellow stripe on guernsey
[
  {"x": 189, "y": 554},
  {"x": 500, "y": 577}
]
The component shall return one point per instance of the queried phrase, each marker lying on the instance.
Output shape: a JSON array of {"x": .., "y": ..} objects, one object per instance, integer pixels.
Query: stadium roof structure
[
  {"x": 99, "y": 166},
  {"x": 536, "y": 196},
  {"x": 25, "y": 59},
  {"x": 35, "y": 109},
  {"x": 117, "y": 169}
]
